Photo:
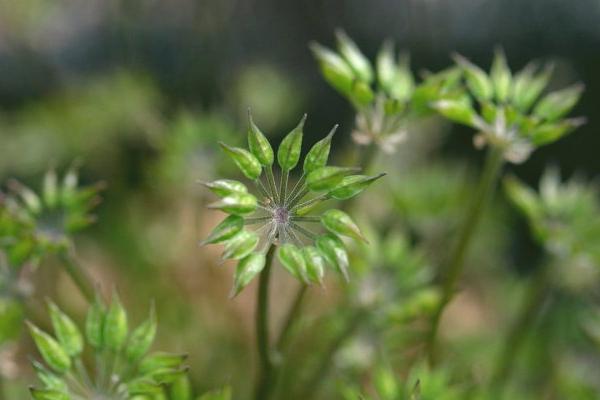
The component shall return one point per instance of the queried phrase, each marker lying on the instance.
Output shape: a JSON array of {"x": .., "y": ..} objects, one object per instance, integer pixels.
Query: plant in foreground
[{"x": 123, "y": 368}]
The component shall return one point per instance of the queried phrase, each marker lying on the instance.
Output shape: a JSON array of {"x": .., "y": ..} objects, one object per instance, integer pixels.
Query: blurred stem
[
  {"x": 290, "y": 318},
  {"x": 367, "y": 157},
  {"x": 77, "y": 274},
  {"x": 485, "y": 188},
  {"x": 534, "y": 299},
  {"x": 264, "y": 382}
]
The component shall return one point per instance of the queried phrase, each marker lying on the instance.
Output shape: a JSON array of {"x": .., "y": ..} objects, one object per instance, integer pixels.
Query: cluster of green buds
[
  {"x": 281, "y": 211},
  {"x": 507, "y": 110},
  {"x": 123, "y": 367},
  {"x": 386, "y": 95}
]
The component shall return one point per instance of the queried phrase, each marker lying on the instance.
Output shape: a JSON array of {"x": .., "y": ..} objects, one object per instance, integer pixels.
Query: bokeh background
[{"x": 138, "y": 92}]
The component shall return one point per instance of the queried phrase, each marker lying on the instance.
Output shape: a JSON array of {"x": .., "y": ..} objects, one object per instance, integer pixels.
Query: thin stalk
[
  {"x": 311, "y": 201},
  {"x": 264, "y": 381},
  {"x": 309, "y": 218},
  {"x": 78, "y": 275},
  {"x": 290, "y": 318},
  {"x": 285, "y": 175},
  {"x": 271, "y": 181},
  {"x": 303, "y": 192},
  {"x": 310, "y": 235},
  {"x": 485, "y": 188},
  {"x": 298, "y": 186}
]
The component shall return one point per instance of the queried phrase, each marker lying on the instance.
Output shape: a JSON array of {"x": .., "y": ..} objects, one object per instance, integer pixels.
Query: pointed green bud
[
  {"x": 51, "y": 189},
  {"x": 66, "y": 331},
  {"x": 477, "y": 80},
  {"x": 94, "y": 324},
  {"x": 52, "y": 352},
  {"x": 48, "y": 394},
  {"x": 246, "y": 162},
  {"x": 334, "y": 68},
  {"x": 159, "y": 361},
  {"x": 236, "y": 203},
  {"x": 362, "y": 93},
  {"x": 225, "y": 230},
  {"x": 523, "y": 197},
  {"x": 326, "y": 178},
  {"x": 288, "y": 153},
  {"x": 353, "y": 185},
  {"x": 115, "y": 325},
  {"x": 292, "y": 260},
  {"x": 258, "y": 144},
  {"x": 340, "y": 223},
  {"x": 532, "y": 87},
  {"x": 144, "y": 388},
  {"x": 334, "y": 251},
  {"x": 141, "y": 338},
  {"x": 246, "y": 270},
  {"x": 551, "y": 132},
  {"x": 557, "y": 104},
  {"x": 315, "y": 264},
  {"x": 181, "y": 389},
  {"x": 225, "y": 187},
  {"x": 355, "y": 58},
  {"x": 240, "y": 245},
  {"x": 457, "y": 110},
  {"x": 501, "y": 77},
  {"x": 30, "y": 199},
  {"x": 319, "y": 154},
  {"x": 386, "y": 66},
  {"x": 168, "y": 375},
  {"x": 220, "y": 394},
  {"x": 521, "y": 82},
  {"x": 403, "y": 84}
]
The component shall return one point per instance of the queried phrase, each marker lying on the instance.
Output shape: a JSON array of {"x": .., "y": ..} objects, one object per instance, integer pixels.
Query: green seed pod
[
  {"x": 523, "y": 197},
  {"x": 236, "y": 203},
  {"x": 225, "y": 230},
  {"x": 141, "y": 338},
  {"x": 315, "y": 264},
  {"x": 355, "y": 58},
  {"x": 144, "y": 388},
  {"x": 288, "y": 153},
  {"x": 115, "y": 325},
  {"x": 548, "y": 133},
  {"x": 386, "y": 66},
  {"x": 532, "y": 88},
  {"x": 501, "y": 77},
  {"x": 49, "y": 379},
  {"x": 334, "y": 251},
  {"x": 403, "y": 84},
  {"x": 160, "y": 360},
  {"x": 52, "y": 352},
  {"x": 246, "y": 270},
  {"x": 333, "y": 67},
  {"x": 557, "y": 104},
  {"x": 246, "y": 162},
  {"x": 340, "y": 223},
  {"x": 326, "y": 178},
  {"x": 94, "y": 324},
  {"x": 240, "y": 245},
  {"x": 319, "y": 153},
  {"x": 226, "y": 187},
  {"x": 48, "y": 394},
  {"x": 219, "y": 394},
  {"x": 51, "y": 189},
  {"x": 258, "y": 144},
  {"x": 477, "y": 80},
  {"x": 181, "y": 389},
  {"x": 66, "y": 331},
  {"x": 353, "y": 185},
  {"x": 362, "y": 93},
  {"x": 457, "y": 110},
  {"x": 292, "y": 260}
]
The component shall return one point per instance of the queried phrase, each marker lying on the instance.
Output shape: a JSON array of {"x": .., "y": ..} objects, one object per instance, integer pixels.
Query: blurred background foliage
[{"x": 138, "y": 92}]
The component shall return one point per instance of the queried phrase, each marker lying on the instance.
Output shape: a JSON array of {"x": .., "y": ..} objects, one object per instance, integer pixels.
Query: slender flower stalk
[{"x": 77, "y": 274}]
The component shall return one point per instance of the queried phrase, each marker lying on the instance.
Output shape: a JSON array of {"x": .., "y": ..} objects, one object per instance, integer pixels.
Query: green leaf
[
  {"x": 501, "y": 77},
  {"x": 318, "y": 155},
  {"x": 246, "y": 162},
  {"x": 477, "y": 80},
  {"x": 94, "y": 324},
  {"x": 386, "y": 66},
  {"x": 226, "y": 187},
  {"x": 288, "y": 153},
  {"x": 315, "y": 263},
  {"x": 334, "y": 251},
  {"x": 160, "y": 361},
  {"x": 240, "y": 245},
  {"x": 115, "y": 325},
  {"x": 352, "y": 185},
  {"x": 403, "y": 84},
  {"x": 326, "y": 178},
  {"x": 258, "y": 144},
  {"x": 141, "y": 338},
  {"x": 334, "y": 68},
  {"x": 246, "y": 270},
  {"x": 292, "y": 260},
  {"x": 458, "y": 111},
  {"x": 66, "y": 331},
  {"x": 340, "y": 223},
  {"x": 48, "y": 394},
  {"x": 52, "y": 352},
  {"x": 236, "y": 203},
  {"x": 558, "y": 104},
  {"x": 225, "y": 230},
  {"x": 355, "y": 58}
]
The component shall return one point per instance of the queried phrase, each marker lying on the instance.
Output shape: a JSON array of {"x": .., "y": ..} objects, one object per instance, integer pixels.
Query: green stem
[
  {"x": 290, "y": 318},
  {"x": 78, "y": 275},
  {"x": 264, "y": 382},
  {"x": 285, "y": 175},
  {"x": 485, "y": 188},
  {"x": 271, "y": 182}
]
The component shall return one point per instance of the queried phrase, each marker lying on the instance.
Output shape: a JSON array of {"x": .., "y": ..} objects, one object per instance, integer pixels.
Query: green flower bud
[
  {"x": 246, "y": 162},
  {"x": 226, "y": 187},
  {"x": 246, "y": 270},
  {"x": 94, "y": 324},
  {"x": 340, "y": 223},
  {"x": 258, "y": 144},
  {"x": 355, "y": 58},
  {"x": 292, "y": 260},
  {"x": 523, "y": 197},
  {"x": 220, "y": 394},
  {"x": 52, "y": 352},
  {"x": 548, "y": 133},
  {"x": 160, "y": 361},
  {"x": 557, "y": 104},
  {"x": 51, "y": 189},
  {"x": 144, "y": 388},
  {"x": 457, "y": 110},
  {"x": 66, "y": 331},
  {"x": 115, "y": 325},
  {"x": 404, "y": 83},
  {"x": 334, "y": 251},
  {"x": 48, "y": 394},
  {"x": 236, "y": 203},
  {"x": 181, "y": 389},
  {"x": 225, "y": 230},
  {"x": 501, "y": 77},
  {"x": 168, "y": 375},
  {"x": 333, "y": 67},
  {"x": 141, "y": 338},
  {"x": 353, "y": 185},
  {"x": 326, "y": 178},
  {"x": 362, "y": 93},
  {"x": 386, "y": 66},
  {"x": 477, "y": 80},
  {"x": 315, "y": 264},
  {"x": 288, "y": 153},
  {"x": 318, "y": 155},
  {"x": 240, "y": 245}
]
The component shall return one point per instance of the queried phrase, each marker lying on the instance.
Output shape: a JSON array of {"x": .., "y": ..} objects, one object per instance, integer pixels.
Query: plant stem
[
  {"x": 485, "y": 188},
  {"x": 264, "y": 382},
  {"x": 77, "y": 274},
  {"x": 290, "y": 318}
]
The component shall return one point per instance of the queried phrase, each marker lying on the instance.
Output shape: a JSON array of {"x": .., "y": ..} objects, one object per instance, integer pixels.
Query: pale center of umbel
[{"x": 281, "y": 215}]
